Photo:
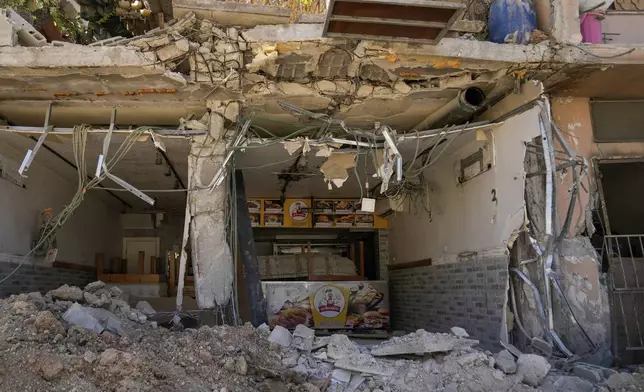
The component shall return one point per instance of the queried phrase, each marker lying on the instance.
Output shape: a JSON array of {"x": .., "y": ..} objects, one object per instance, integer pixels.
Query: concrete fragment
[
  {"x": 567, "y": 384},
  {"x": 620, "y": 381},
  {"x": 303, "y": 338},
  {"x": 532, "y": 369},
  {"x": 119, "y": 306},
  {"x": 587, "y": 373},
  {"x": 93, "y": 300},
  {"x": 281, "y": 336},
  {"x": 8, "y": 31},
  {"x": 37, "y": 298},
  {"x": 95, "y": 319},
  {"x": 94, "y": 286},
  {"x": 421, "y": 342},
  {"x": 505, "y": 361},
  {"x": 460, "y": 332},
  {"x": 116, "y": 292},
  {"x": 264, "y": 330},
  {"x": 364, "y": 363},
  {"x": 27, "y": 34},
  {"x": 402, "y": 87},
  {"x": 364, "y": 91},
  {"x": 67, "y": 293},
  {"x": 319, "y": 342},
  {"x": 173, "y": 51},
  {"x": 340, "y": 347},
  {"x": 241, "y": 367},
  {"x": 46, "y": 321},
  {"x": 355, "y": 383},
  {"x": 151, "y": 43},
  {"x": 50, "y": 368},
  {"x": 341, "y": 375},
  {"x": 544, "y": 347},
  {"x": 512, "y": 349},
  {"x": 291, "y": 358},
  {"x": 145, "y": 308},
  {"x": 136, "y": 316}
]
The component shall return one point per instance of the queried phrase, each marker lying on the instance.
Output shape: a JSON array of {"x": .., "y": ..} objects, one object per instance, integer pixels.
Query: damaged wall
[
  {"x": 481, "y": 214},
  {"x": 93, "y": 228}
]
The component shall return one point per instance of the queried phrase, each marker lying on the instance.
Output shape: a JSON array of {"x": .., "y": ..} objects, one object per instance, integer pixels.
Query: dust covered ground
[{"x": 90, "y": 339}]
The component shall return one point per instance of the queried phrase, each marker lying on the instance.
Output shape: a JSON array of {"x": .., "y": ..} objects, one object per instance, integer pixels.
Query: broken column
[{"x": 211, "y": 256}]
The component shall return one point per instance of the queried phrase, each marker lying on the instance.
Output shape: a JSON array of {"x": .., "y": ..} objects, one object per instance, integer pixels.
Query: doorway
[{"x": 131, "y": 248}]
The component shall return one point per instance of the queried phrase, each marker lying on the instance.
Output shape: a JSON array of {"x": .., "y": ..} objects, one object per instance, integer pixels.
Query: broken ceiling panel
[{"x": 392, "y": 20}]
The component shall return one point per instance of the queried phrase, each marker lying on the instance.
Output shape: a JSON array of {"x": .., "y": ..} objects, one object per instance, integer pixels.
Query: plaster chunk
[
  {"x": 365, "y": 91},
  {"x": 326, "y": 86},
  {"x": 382, "y": 92},
  {"x": 402, "y": 87}
]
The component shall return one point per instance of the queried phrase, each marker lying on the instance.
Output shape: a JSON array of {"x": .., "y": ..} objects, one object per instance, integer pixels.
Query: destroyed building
[{"x": 316, "y": 170}]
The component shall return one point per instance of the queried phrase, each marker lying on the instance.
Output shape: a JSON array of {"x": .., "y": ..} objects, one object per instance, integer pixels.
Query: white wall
[
  {"x": 94, "y": 227},
  {"x": 464, "y": 217}
]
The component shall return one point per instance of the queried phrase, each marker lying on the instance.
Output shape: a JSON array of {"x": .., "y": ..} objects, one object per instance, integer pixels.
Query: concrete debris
[
  {"x": 264, "y": 329},
  {"x": 67, "y": 293},
  {"x": 544, "y": 347},
  {"x": 319, "y": 342},
  {"x": 566, "y": 383},
  {"x": 341, "y": 375},
  {"x": 94, "y": 319},
  {"x": 94, "y": 286},
  {"x": 505, "y": 361},
  {"x": 421, "y": 342},
  {"x": 621, "y": 381},
  {"x": 364, "y": 363},
  {"x": 303, "y": 338},
  {"x": 37, "y": 299},
  {"x": 94, "y": 300},
  {"x": 460, "y": 332},
  {"x": 145, "y": 308},
  {"x": 281, "y": 336},
  {"x": 116, "y": 292},
  {"x": 512, "y": 349},
  {"x": 340, "y": 346},
  {"x": 532, "y": 369},
  {"x": 587, "y": 373},
  {"x": 41, "y": 351}
]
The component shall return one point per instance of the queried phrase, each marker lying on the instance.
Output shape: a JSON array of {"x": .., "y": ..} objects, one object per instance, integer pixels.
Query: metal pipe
[
  {"x": 457, "y": 111},
  {"x": 69, "y": 131}
]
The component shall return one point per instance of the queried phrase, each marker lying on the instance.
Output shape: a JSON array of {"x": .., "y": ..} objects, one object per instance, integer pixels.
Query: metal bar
[
  {"x": 67, "y": 161},
  {"x": 172, "y": 169},
  {"x": 220, "y": 175},
  {"x": 387, "y": 21},
  {"x": 69, "y": 131},
  {"x": 621, "y": 264},
  {"x": 31, "y": 154},
  {"x": 129, "y": 187},
  {"x": 621, "y": 305}
]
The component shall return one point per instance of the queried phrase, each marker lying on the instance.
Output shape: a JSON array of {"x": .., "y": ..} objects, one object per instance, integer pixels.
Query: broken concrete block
[
  {"x": 319, "y": 342},
  {"x": 340, "y": 347},
  {"x": 151, "y": 43},
  {"x": 460, "y": 332},
  {"x": 505, "y": 361},
  {"x": 145, "y": 308},
  {"x": 116, "y": 292},
  {"x": 303, "y": 338},
  {"x": 341, "y": 375},
  {"x": 544, "y": 347},
  {"x": 67, "y": 293},
  {"x": 532, "y": 369},
  {"x": 119, "y": 306},
  {"x": 364, "y": 91},
  {"x": 512, "y": 349},
  {"x": 264, "y": 330},
  {"x": 356, "y": 381},
  {"x": 566, "y": 383},
  {"x": 587, "y": 373},
  {"x": 281, "y": 336},
  {"x": 402, "y": 87},
  {"x": 95, "y": 319},
  {"x": 136, "y": 316},
  {"x": 37, "y": 298},
  {"x": 421, "y": 342},
  {"x": 173, "y": 51},
  {"x": 8, "y": 31},
  {"x": 233, "y": 33},
  {"x": 94, "y": 286},
  {"x": 364, "y": 363},
  {"x": 96, "y": 301},
  {"x": 620, "y": 381},
  {"x": 27, "y": 34}
]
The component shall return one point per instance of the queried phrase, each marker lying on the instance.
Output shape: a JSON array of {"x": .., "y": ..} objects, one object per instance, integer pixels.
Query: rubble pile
[
  {"x": 423, "y": 361},
  {"x": 72, "y": 339},
  {"x": 91, "y": 339}
]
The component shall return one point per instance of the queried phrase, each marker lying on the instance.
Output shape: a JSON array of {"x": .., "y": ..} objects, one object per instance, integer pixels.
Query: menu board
[{"x": 308, "y": 213}]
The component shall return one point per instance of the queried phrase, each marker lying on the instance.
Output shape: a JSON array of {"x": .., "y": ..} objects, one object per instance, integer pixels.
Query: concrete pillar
[
  {"x": 211, "y": 256},
  {"x": 565, "y": 23}
]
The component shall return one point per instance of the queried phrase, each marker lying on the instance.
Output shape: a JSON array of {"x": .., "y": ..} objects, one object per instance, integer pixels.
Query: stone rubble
[{"x": 51, "y": 343}]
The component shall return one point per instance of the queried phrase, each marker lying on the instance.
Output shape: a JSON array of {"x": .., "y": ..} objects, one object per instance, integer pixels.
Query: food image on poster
[
  {"x": 254, "y": 220},
  {"x": 323, "y": 206},
  {"x": 293, "y": 314},
  {"x": 323, "y": 220},
  {"x": 364, "y": 220},
  {"x": 254, "y": 205},
  {"x": 273, "y": 220},
  {"x": 344, "y": 220},
  {"x": 367, "y": 308},
  {"x": 273, "y": 206},
  {"x": 344, "y": 207}
]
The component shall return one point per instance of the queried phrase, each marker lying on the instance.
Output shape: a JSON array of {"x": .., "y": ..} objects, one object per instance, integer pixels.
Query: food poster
[
  {"x": 273, "y": 220},
  {"x": 298, "y": 213},
  {"x": 364, "y": 220},
  {"x": 330, "y": 305},
  {"x": 344, "y": 220},
  {"x": 344, "y": 207},
  {"x": 273, "y": 207},
  {"x": 254, "y": 206},
  {"x": 255, "y": 219},
  {"x": 323, "y": 220},
  {"x": 323, "y": 206}
]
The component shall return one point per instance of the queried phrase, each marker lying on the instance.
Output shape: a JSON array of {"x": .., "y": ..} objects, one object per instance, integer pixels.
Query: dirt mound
[{"x": 39, "y": 351}]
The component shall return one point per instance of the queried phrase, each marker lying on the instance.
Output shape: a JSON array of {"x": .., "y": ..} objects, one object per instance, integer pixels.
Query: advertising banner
[{"x": 328, "y": 305}]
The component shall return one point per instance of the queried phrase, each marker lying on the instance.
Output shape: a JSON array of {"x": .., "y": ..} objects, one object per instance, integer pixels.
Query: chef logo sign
[
  {"x": 330, "y": 306},
  {"x": 298, "y": 211}
]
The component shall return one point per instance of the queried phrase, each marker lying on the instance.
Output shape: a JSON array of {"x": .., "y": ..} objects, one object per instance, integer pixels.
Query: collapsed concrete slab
[{"x": 421, "y": 342}]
